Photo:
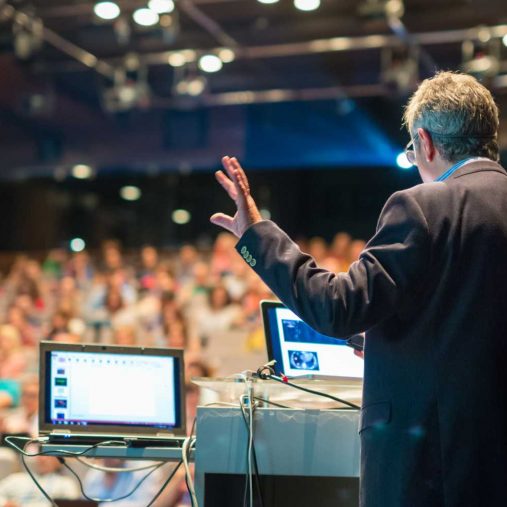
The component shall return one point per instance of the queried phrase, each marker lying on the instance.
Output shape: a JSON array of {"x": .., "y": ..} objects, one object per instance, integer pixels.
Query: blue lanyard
[{"x": 453, "y": 169}]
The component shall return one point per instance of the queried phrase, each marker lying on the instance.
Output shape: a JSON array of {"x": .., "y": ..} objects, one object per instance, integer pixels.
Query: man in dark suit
[{"x": 430, "y": 290}]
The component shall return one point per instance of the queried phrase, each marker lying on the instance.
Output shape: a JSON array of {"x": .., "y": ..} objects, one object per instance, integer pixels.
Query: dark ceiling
[{"x": 58, "y": 99}]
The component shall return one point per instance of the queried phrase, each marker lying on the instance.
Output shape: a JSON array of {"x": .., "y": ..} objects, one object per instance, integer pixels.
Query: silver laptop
[
  {"x": 91, "y": 393},
  {"x": 300, "y": 351}
]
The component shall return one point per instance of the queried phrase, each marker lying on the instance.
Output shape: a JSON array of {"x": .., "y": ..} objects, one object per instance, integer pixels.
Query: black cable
[
  {"x": 39, "y": 487},
  {"x": 154, "y": 499},
  {"x": 271, "y": 402},
  {"x": 311, "y": 391},
  {"x": 256, "y": 466},
  {"x": 106, "y": 500},
  {"x": 56, "y": 452}
]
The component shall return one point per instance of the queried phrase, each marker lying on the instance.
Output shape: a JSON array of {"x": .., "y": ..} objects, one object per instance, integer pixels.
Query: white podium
[{"x": 306, "y": 457}]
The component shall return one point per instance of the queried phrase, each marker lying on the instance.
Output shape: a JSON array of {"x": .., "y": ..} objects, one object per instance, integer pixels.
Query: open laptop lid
[
  {"x": 299, "y": 350},
  {"x": 111, "y": 390}
]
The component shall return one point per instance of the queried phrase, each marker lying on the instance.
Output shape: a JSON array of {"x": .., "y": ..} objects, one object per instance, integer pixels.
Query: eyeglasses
[{"x": 409, "y": 150}]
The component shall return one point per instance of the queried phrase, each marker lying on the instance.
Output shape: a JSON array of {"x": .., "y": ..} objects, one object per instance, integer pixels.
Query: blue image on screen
[
  {"x": 298, "y": 332},
  {"x": 303, "y": 360}
]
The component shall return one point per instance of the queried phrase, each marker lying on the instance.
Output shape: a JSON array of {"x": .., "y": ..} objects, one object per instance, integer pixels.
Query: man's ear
[{"x": 427, "y": 148}]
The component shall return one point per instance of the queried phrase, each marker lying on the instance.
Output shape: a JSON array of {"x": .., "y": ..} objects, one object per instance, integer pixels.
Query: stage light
[
  {"x": 82, "y": 171},
  {"x": 268, "y": 1},
  {"x": 181, "y": 216},
  {"x": 161, "y": 6},
  {"x": 106, "y": 10},
  {"x": 504, "y": 40},
  {"x": 145, "y": 17},
  {"x": 226, "y": 55},
  {"x": 130, "y": 193},
  {"x": 307, "y": 5},
  {"x": 402, "y": 161},
  {"x": 265, "y": 213},
  {"x": 196, "y": 86},
  {"x": 177, "y": 60},
  {"x": 77, "y": 245},
  {"x": 210, "y": 63}
]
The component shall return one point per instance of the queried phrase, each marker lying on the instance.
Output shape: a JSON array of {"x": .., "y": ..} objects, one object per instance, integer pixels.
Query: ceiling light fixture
[
  {"x": 161, "y": 6},
  {"x": 307, "y": 5},
  {"x": 145, "y": 17},
  {"x": 210, "y": 63},
  {"x": 106, "y": 10}
]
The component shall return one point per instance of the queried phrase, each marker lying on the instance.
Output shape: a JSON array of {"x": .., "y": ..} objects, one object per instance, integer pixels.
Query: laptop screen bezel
[{"x": 108, "y": 429}]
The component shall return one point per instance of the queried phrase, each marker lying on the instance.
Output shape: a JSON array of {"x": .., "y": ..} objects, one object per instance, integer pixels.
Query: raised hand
[{"x": 236, "y": 185}]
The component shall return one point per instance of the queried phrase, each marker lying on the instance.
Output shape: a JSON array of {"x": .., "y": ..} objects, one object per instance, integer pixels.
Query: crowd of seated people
[{"x": 188, "y": 298}]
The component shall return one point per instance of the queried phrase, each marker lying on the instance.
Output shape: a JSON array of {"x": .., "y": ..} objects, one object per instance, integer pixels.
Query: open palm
[{"x": 236, "y": 185}]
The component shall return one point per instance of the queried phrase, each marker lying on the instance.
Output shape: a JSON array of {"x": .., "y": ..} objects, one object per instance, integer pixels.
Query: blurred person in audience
[
  {"x": 164, "y": 279},
  {"x": 80, "y": 268},
  {"x": 193, "y": 297},
  {"x": 148, "y": 268},
  {"x": 340, "y": 247},
  {"x": 111, "y": 485},
  {"x": 317, "y": 248},
  {"x": 66, "y": 337},
  {"x": 13, "y": 359},
  {"x": 16, "y": 317},
  {"x": 69, "y": 297},
  {"x": 111, "y": 255},
  {"x": 188, "y": 256},
  {"x": 356, "y": 247},
  {"x": 19, "y": 490},
  {"x": 125, "y": 335},
  {"x": 223, "y": 251},
  {"x": 59, "y": 324},
  {"x": 25, "y": 418},
  {"x": 196, "y": 367},
  {"x": 54, "y": 264},
  {"x": 220, "y": 314}
]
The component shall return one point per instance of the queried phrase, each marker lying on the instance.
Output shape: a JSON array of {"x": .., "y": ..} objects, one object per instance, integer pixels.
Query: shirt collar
[{"x": 457, "y": 165}]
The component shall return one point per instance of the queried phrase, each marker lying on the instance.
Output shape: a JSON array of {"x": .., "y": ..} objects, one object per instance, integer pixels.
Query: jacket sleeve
[{"x": 385, "y": 278}]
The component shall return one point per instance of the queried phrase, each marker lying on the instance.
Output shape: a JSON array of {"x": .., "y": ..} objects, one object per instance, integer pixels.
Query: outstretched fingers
[
  {"x": 223, "y": 220},
  {"x": 227, "y": 184}
]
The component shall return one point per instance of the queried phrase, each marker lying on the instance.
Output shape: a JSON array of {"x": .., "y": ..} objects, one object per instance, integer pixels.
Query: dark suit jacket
[{"x": 430, "y": 289}]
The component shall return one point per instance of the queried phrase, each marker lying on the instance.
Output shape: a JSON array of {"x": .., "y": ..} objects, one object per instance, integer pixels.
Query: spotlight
[
  {"x": 82, "y": 171},
  {"x": 130, "y": 193},
  {"x": 145, "y": 17},
  {"x": 106, "y": 10},
  {"x": 402, "y": 161},
  {"x": 268, "y": 1},
  {"x": 307, "y": 5},
  {"x": 161, "y": 6},
  {"x": 226, "y": 55},
  {"x": 210, "y": 63},
  {"x": 181, "y": 216},
  {"x": 77, "y": 245},
  {"x": 265, "y": 213},
  {"x": 504, "y": 40}
]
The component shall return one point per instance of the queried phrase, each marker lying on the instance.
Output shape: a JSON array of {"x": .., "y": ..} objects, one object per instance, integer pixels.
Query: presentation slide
[
  {"x": 304, "y": 351},
  {"x": 98, "y": 388}
]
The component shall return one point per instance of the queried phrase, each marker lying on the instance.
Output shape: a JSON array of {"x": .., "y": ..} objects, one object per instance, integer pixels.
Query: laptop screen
[
  {"x": 300, "y": 350},
  {"x": 106, "y": 387}
]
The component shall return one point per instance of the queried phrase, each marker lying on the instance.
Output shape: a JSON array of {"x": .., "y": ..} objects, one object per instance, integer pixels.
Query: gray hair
[{"x": 459, "y": 113}]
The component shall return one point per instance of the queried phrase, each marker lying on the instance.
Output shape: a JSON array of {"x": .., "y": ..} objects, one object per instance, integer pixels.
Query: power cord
[
  {"x": 106, "y": 500},
  {"x": 286, "y": 381},
  {"x": 10, "y": 441}
]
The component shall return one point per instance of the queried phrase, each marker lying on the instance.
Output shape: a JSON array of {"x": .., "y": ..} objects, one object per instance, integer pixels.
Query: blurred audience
[{"x": 189, "y": 299}]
